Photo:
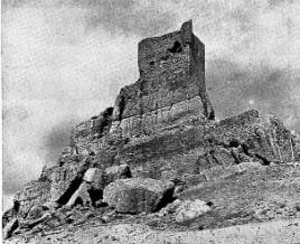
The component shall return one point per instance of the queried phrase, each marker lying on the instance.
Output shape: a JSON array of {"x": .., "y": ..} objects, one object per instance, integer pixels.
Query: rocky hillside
[{"x": 159, "y": 158}]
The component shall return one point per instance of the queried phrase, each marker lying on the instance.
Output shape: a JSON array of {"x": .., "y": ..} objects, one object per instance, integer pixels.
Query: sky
[{"x": 64, "y": 61}]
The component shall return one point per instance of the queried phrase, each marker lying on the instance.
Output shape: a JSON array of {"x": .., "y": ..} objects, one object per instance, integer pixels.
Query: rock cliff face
[{"x": 160, "y": 127}]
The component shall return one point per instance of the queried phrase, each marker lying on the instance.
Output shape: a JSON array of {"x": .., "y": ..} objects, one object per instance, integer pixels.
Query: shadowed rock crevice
[
  {"x": 234, "y": 143},
  {"x": 176, "y": 48},
  {"x": 102, "y": 125},
  {"x": 167, "y": 198},
  {"x": 264, "y": 160},
  {"x": 74, "y": 185},
  {"x": 95, "y": 195}
]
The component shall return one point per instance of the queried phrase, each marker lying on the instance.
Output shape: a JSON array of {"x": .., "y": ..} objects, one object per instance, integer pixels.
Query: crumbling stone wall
[
  {"x": 171, "y": 87},
  {"x": 160, "y": 127}
]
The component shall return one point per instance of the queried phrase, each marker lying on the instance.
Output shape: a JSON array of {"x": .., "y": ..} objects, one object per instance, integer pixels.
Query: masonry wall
[{"x": 171, "y": 85}]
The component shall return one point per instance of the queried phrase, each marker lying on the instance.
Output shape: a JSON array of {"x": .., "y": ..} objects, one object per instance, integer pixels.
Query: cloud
[
  {"x": 55, "y": 75},
  {"x": 143, "y": 18},
  {"x": 259, "y": 86},
  {"x": 146, "y": 17},
  {"x": 57, "y": 138}
]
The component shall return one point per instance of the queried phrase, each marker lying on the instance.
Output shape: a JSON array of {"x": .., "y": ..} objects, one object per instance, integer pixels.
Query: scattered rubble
[{"x": 159, "y": 142}]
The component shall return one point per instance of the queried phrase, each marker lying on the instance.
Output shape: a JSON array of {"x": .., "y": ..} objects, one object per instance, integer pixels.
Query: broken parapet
[{"x": 171, "y": 87}]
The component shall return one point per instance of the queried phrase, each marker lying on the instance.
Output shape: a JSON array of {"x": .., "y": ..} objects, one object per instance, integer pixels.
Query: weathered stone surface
[
  {"x": 185, "y": 210},
  {"x": 35, "y": 212},
  {"x": 94, "y": 181},
  {"x": 194, "y": 148},
  {"x": 92, "y": 129},
  {"x": 95, "y": 178},
  {"x": 189, "y": 210},
  {"x": 162, "y": 128},
  {"x": 65, "y": 180},
  {"x": 90, "y": 174},
  {"x": 221, "y": 172},
  {"x": 11, "y": 226},
  {"x": 34, "y": 194},
  {"x": 117, "y": 172},
  {"x": 171, "y": 87},
  {"x": 146, "y": 152},
  {"x": 30, "y": 224},
  {"x": 99, "y": 178},
  {"x": 138, "y": 195},
  {"x": 256, "y": 136},
  {"x": 80, "y": 196},
  {"x": 171, "y": 175}
]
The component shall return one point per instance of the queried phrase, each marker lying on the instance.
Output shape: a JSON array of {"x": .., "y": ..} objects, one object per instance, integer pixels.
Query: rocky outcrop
[
  {"x": 250, "y": 135},
  {"x": 65, "y": 180},
  {"x": 171, "y": 87},
  {"x": 138, "y": 195},
  {"x": 161, "y": 128},
  {"x": 94, "y": 181},
  {"x": 94, "y": 128},
  {"x": 193, "y": 147},
  {"x": 34, "y": 194}
]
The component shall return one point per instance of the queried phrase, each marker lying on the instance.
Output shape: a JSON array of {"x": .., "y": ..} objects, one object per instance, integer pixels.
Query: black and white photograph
[{"x": 150, "y": 121}]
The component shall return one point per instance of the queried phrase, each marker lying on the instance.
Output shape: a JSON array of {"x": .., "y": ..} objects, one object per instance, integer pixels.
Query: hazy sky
[{"x": 65, "y": 60}]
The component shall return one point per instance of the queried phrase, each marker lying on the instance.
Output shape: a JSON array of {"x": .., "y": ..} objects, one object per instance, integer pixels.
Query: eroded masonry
[{"x": 160, "y": 128}]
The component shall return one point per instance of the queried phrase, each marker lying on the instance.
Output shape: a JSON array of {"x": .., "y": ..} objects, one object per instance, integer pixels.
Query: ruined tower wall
[{"x": 171, "y": 86}]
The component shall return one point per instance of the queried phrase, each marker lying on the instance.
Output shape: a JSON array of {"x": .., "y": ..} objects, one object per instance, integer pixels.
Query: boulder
[
  {"x": 185, "y": 210},
  {"x": 138, "y": 195},
  {"x": 190, "y": 209},
  {"x": 94, "y": 180},
  {"x": 99, "y": 178},
  {"x": 66, "y": 179},
  {"x": 35, "y": 212},
  {"x": 89, "y": 175}
]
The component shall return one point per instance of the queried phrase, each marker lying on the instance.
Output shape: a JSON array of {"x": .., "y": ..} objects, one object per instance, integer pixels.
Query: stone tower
[{"x": 171, "y": 88}]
